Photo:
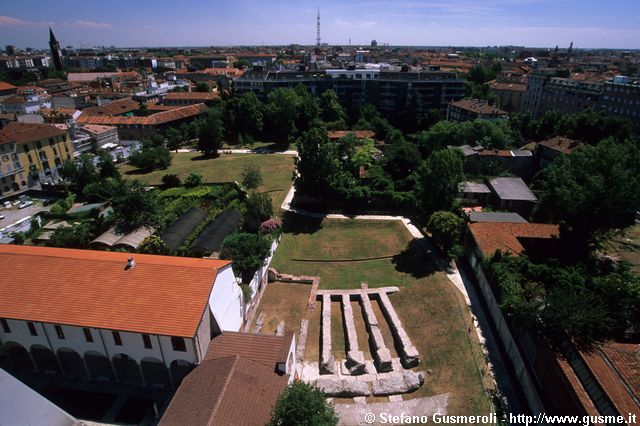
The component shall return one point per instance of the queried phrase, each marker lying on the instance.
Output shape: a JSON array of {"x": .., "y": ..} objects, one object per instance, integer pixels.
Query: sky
[{"x": 136, "y": 23}]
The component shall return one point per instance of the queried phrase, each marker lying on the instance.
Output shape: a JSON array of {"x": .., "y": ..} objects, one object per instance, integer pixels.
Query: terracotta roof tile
[
  {"x": 492, "y": 236},
  {"x": 160, "y": 295},
  {"x": 360, "y": 134},
  {"x": 264, "y": 349},
  {"x": 151, "y": 120},
  {"x": 121, "y": 106},
  {"x": 225, "y": 391},
  {"x": 201, "y": 96},
  {"x": 478, "y": 106},
  {"x": 16, "y": 132},
  {"x": 6, "y": 86},
  {"x": 561, "y": 144}
]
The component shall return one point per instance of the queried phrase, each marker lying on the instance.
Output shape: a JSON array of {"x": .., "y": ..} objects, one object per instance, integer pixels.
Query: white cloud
[
  {"x": 10, "y": 21},
  {"x": 87, "y": 24},
  {"x": 368, "y": 24},
  {"x": 341, "y": 23}
]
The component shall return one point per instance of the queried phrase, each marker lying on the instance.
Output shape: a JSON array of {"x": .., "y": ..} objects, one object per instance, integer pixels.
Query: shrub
[
  {"x": 271, "y": 225},
  {"x": 193, "y": 180},
  {"x": 170, "y": 181}
]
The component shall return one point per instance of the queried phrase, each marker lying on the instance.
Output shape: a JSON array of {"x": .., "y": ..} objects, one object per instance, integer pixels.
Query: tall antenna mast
[{"x": 318, "y": 43}]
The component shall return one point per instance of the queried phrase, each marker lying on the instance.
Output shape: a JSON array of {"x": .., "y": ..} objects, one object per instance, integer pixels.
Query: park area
[
  {"x": 346, "y": 253},
  {"x": 276, "y": 169}
]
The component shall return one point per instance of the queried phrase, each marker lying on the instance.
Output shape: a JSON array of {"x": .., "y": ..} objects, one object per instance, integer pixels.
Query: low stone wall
[
  {"x": 355, "y": 358},
  {"x": 371, "y": 384},
  {"x": 326, "y": 356},
  {"x": 409, "y": 354},
  {"x": 380, "y": 351},
  {"x": 287, "y": 278}
]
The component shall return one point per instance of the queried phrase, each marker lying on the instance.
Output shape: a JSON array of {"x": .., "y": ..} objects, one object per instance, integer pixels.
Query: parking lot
[{"x": 15, "y": 214}]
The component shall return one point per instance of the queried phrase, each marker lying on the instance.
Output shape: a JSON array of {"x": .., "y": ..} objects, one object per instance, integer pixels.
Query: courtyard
[{"x": 382, "y": 254}]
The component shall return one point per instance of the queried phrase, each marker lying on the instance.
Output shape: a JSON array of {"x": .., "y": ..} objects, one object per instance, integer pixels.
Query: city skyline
[{"x": 533, "y": 23}]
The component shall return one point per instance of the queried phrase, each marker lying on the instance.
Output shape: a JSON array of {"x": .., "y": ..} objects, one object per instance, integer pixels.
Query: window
[
  {"x": 117, "y": 339},
  {"x": 5, "y": 325},
  {"x": 87, "y": 335},
  {"x": 59, "y": 332},
  {"x": 32, "y": 329},
  {"x": 147, "y": 341},
  {"x": 178, "y": 344}
]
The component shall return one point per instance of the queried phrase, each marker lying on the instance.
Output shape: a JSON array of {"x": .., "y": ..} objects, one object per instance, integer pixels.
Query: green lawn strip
[{"x": 277, "y": 171}]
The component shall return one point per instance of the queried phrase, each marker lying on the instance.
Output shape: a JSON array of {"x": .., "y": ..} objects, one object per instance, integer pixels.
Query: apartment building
[
  {"x": 29, "y": 152},
  {"x": 104, "y": 316}
]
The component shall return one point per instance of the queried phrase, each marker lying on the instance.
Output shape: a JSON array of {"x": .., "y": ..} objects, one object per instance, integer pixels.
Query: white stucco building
[{"x": 100, "y": 316}]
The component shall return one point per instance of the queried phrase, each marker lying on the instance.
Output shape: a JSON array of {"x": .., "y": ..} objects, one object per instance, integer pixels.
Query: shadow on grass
[
  {"x": 413, "y": 260},
  {"x": 293, "y": 223},
  {"x": 202, "y": 157}
]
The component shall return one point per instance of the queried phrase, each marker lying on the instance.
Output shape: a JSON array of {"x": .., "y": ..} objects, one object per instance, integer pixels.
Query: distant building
[
  {"x": 621, "y": 97},
  {"x": 569, "y": 96},
  {"x": 101, "y": 135},
  {"x": 56, "y": 54},
  {"x": 549, "y": 149},
  {"x": 473, "y": 109},
  {"x": 510, "y": 95},
  {"x": 106, "y": 316},
  {"x": 374, "y": 43},
  {"x": 29, "y": 152},
  {"x": 189, "y": 98},
  {"x": 512, "y": 194},
  {"x": 7, "y": 89},
  {"x": 10, "y": 50}
]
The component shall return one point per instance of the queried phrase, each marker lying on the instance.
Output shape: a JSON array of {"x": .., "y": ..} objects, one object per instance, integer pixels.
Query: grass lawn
[
  {"x": 431, "y": 309},
  {"x": 277, "y": 171},
  {"x": 627, "y": 246},
  {"x": 282, "y": 302}
]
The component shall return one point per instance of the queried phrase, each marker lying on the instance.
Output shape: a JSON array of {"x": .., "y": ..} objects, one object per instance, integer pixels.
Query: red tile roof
[
  {"x": 6, "y": 86},
  {"x": 160, "y": 295},
  {"x": 360, "y": 134},
  {"x": 264, "y": 349},
  {"x": 492, "y": 236},
  {"x": 119, "y": 107},
  {"x": 16, "y": 132},
  {"x": 561, "y": 144},
  {"x": 151, "y": 120},
  {"x": 616, "y": 367},
  {"x": 225, "y": 391},
  {"x": 478, "y": 106},
  {"x": 200, "y": 96}
]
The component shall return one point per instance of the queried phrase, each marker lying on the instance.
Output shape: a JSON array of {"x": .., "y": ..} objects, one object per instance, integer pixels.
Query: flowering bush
[{"x": 271, "y": 225}]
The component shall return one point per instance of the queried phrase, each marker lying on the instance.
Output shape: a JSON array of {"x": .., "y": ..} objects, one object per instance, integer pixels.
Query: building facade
[
  {"x": 621, "y": 96},
  {"x": 131, "y": 326},
  {"x": 30, "y": 152}
]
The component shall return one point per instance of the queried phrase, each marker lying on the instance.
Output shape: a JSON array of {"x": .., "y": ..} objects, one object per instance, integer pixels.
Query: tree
[
  {"x": 174, "y": 138},
  {"x": 437, "y": 181},
  {"x": 150, "y": 157},
  {"x": 247, "y": 252},
  {"x": 211, "y": 132},
  {"x": 134, "y": 207},
  {"x": 79, "y": 173},
  {"x": 107, "y": 166},
  {"x": 170, "y": 181},
  {"x": 302, "y": 404},
  {"x": 244, "y": 115},
  {"x": 153, "y": 244},
  {"x": 77, "y": 236},
  {"x": 259, "y": 208},
  {"x": 103, "y": 190},
  {"x": 282, "y": 111},
  {"x": 331, "y": 108},
  {"x": 251, "y": 177},
  {"x": 400, "y": 161},
  {"x": 203, "y": 87},
  {"x": 445, "y": 228},
  {"x": 592, "y": 190},
  {"x": 194, "y": 179}
]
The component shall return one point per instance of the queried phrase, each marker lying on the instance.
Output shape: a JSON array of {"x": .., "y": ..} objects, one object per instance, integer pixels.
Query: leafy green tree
[
  {"x": 244, "y": 115},
  {"x": 203, "y": 87},
  {"x": 400, "y": 161},
  {"x": 302, "y": 404},
  {"x": 79, "y": 173},
  {"x": 247, "y": 251},
  {"x": 251, "y": 177},
  {"x": 107, "y": 166},
  {"x": 78, "y": 236},
  {"x": 103, "y": 190},
  {"x": 282, "y": 110},
  {"x": 445, "y": 228},
  {"x": 194, "y": 179},
  {"x": 134, "y": 207},
  {"x": 150, "y": 157},
  {"x": 592, "y": 190},
  {"x": 331, "y": 108},
  {"x": 170, "y": 181},
  {"x": 211, "y": 132},
  {"x": 258, "y": 208},
  {"x": 308, "y": 109},
  {"x": 437, "y": 181},
  {"x": 153, "y": 244},
  {"x": 174, "y": 138}
]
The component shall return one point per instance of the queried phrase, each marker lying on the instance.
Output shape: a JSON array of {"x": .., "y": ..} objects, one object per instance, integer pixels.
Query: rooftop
[
  {"x": 495, "y": 217},
  {"x": 199, "y": 96},
  {"x": 119, "y": 107},
  {"x": 151, "y": 120},
  {"x": 20, "y": 133},
  {"x": 561, "y": 144},
  {"x": 492, "y": 236},
  {"x": 511, "y": 188},
  {"x": 266, "y": 350},
  {"x": 360, "y": 134},
  {"x": 160, "y": 295},
  {"x": 478, "y": 106}
]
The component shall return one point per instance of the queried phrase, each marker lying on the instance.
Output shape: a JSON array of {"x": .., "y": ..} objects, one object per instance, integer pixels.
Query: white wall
[
  {"x": 225, "y": 301},
  {"x": 103, "y": 342}
]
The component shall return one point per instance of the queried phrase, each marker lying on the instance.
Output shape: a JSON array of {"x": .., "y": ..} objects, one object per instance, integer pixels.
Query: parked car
[
  {"x": 1, "y": 216},
  {"x": 25, "y": 204}
]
